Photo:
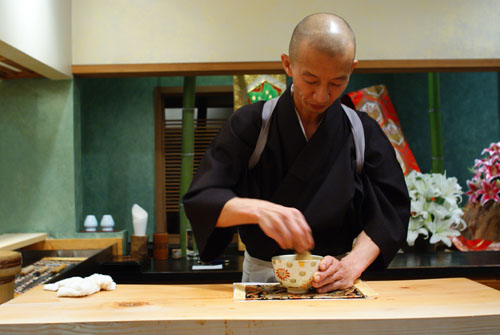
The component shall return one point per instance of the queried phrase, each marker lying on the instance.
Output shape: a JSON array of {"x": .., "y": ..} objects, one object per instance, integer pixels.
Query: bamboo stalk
[
  {"x": 435, "y": 123},
  {"x": 188, "y": 101}
]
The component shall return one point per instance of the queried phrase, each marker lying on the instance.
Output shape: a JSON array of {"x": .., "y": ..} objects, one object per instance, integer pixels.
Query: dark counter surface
[
  {"x": 442, "y": 264},
  {"x": 484, "y": 264},
  {"x": 173, "y": 271}
]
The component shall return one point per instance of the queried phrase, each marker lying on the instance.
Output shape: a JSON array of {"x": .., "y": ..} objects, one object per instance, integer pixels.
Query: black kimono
[{"x": 318, "y": 177}]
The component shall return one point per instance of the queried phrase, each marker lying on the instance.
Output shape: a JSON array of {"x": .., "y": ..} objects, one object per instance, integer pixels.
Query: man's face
[{"x": 318, "y": 79}]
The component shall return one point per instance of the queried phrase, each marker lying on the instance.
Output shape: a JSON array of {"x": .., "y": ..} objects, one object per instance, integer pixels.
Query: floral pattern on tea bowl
[{"x": 295, "y": 275}]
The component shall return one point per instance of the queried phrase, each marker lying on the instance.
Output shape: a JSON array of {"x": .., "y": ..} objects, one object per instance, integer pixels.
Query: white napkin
[
  {"x": 139, "y": 220},
  {"x": 79, "y": 287}
]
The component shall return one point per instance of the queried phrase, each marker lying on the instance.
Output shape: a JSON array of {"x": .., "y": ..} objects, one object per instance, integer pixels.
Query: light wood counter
[
  {"x": 433, "y": 306},
  {"x": 19, "y": 240}
]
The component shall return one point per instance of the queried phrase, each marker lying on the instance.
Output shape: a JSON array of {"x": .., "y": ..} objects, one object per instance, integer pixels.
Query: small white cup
[
  {"x": 90, "y": 223},
  {"x": 107, "y": 223}
]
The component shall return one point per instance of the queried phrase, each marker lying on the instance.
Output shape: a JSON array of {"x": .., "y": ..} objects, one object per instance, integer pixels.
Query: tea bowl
[{"x": 295, "y": 275}]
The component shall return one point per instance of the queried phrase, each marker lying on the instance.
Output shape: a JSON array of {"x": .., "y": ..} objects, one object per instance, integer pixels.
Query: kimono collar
[{"x": 298, "y": 116}]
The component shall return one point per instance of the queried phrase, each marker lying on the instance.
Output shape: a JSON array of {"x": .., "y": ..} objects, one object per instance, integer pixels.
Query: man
[{"x": 304, "y": 193}]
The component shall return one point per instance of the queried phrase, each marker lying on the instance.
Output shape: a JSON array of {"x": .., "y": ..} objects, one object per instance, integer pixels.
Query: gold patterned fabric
[{"x": 250, "y": 88}]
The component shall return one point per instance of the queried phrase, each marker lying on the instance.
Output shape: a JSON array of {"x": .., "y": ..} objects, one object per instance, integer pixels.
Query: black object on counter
[{"x": 477, "y": 264}]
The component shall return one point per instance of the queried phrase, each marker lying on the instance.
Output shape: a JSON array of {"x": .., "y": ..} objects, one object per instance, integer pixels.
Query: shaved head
[{"x": 327, "y": 33}]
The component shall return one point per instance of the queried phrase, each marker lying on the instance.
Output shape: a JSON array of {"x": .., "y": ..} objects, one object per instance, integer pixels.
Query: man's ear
[
  {"x": 354, "y": 63},
  {"x": 287, "y": 64}
]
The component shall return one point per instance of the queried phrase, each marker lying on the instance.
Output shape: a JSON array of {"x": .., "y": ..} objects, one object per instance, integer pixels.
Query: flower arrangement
[
  {"x": 434, "y": 207},
  {"x": 485, "y": 185}
]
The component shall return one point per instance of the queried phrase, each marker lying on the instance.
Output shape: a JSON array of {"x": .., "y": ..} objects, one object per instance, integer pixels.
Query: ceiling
[{"x": 12, "y": 70}]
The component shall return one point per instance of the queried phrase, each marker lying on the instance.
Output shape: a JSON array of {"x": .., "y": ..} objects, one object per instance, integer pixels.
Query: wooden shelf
[
  {"x": 80, "y": 244},
  {"x": 20, "y": 240},
  {"x": 427, "y": 65},
  {"x": 175, "y": 69},
  {"x": 231, "y": 68}
]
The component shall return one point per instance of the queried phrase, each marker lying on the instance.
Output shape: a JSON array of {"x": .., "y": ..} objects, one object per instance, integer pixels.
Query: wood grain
[
  {"x": 427, "y": 65},
  {"x": 176, "y": 69},
  {"x": 20, "y": 240},
  {"x": 234, "y": 68},
  {"x": 138, "y": 245},
  {"x": 434, "y": 306}
]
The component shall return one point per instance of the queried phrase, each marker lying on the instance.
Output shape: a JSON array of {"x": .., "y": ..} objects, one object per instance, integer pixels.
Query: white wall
[
  {"x": 37, "y": 35},
  {"x": 177, "y": 31}
]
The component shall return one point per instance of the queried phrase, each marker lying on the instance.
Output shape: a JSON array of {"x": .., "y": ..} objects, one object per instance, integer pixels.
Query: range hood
[{"x": 35, "y": 39}]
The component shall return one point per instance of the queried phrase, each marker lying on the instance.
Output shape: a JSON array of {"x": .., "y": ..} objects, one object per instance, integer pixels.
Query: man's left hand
[{"x": 334, "y": 275}]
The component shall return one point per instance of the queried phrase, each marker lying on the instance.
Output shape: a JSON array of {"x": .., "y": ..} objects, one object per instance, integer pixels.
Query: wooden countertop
[{"x": 433, "y": 306}]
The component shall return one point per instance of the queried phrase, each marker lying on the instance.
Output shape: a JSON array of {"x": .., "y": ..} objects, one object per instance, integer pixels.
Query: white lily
[
  {"x": 416, "y": 227},
  {"x": 441, "y": 231},
  {"x": 434, "y": 207}
]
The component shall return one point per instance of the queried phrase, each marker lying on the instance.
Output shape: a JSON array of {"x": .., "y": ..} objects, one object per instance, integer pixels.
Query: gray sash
[{"x": 356, "y": 126}]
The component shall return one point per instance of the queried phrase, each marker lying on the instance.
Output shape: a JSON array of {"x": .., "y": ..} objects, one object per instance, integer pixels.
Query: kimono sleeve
[
  {"x": 385, "y": 209},
  {"x": 220, "y": 172}
]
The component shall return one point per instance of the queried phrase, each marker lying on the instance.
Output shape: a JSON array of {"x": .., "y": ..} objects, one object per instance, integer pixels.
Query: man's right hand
[{"x": 286, "y": 225}]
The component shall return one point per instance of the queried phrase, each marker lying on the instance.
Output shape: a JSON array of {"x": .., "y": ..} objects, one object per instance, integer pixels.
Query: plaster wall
[{"x": 172, "y": 31}]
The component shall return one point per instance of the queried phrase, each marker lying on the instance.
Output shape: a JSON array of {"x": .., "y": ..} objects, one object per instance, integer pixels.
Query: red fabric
[
  {"x": 463, "y": 244},
  {"x": 376, "y": 102}
]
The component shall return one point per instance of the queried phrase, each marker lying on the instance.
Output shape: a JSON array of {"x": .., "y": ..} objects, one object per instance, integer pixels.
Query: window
[{"x": 213, "y": 106}]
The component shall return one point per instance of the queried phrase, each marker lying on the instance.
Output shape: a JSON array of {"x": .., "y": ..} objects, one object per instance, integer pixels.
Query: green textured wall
[
  {"x": 78, "y": 158},
  {"x": 469, "y": 112},
  {"x": 37, "y": 157},
  {"x": 470, "y": 118},
  {"x": 118, "y": 144}
]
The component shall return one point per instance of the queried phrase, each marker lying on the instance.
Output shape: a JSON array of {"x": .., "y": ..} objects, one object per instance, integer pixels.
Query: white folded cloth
[
  {"x": 139, "y": 220},
  {"x": 79, "y": 287}
]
